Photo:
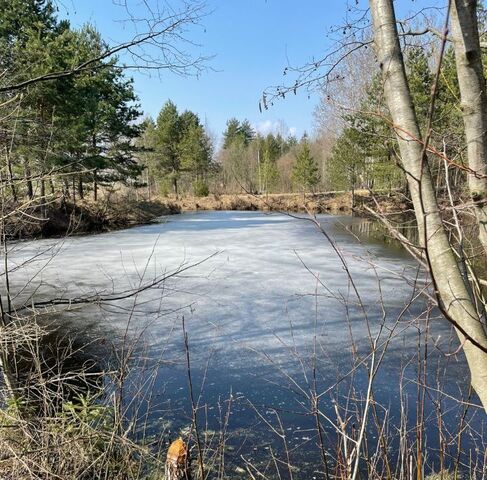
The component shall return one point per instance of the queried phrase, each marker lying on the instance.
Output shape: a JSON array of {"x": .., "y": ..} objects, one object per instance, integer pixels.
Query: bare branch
[{"x": 162, "y": 34}]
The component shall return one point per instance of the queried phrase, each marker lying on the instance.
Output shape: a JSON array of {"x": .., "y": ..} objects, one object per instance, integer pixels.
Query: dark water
[{"x": 274, "y": 313}]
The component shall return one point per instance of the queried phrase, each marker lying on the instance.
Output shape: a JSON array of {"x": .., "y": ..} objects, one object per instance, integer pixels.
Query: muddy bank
[{"x": 59, "y": 218}]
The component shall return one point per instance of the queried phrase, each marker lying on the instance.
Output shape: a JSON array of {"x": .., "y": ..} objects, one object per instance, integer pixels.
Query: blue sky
[{"x": 251, "y": 40}]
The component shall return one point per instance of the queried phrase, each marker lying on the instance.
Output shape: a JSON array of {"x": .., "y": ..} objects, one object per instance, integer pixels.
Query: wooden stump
[{"x": 177, "y": 467}]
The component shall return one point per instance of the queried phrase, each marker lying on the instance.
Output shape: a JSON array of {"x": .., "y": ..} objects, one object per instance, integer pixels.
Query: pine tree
[
  {"x": 195, "y": 151},
  {"x": 95, "y": 120},
  {"x": 269, "y": 172},
  {"x": 176, "y": 146}
]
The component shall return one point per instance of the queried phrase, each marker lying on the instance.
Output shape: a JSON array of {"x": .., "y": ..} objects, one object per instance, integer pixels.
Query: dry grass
[
  {"x": 78, "y": 442},
  {"x": 330, "y": 202},
  {"x": 441, "y": 476}
]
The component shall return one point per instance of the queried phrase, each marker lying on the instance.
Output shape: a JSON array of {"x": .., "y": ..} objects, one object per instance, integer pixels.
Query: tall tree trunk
[
  {"x": 471, "y": 81},
  {"x": 43, "y": 195},
  {"x": 95, "y": 172},
  {"x": 27, "y": 178},
  {"x": 95, "y": 185},
  {"x": 452, "y": 292},
  {"x": 11, "y": 178},
  {"x": 175, "y": 185},
  {"x": 66, "y": 193},
  {"x": 73, "y": 187},
  {"x": 148, "y": 186},
  {"x": 80, "y": 188}
]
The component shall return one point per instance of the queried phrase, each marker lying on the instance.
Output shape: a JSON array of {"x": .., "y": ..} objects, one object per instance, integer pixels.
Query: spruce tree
[
  {"x": 305, "y": 171},
  {"x": 166, "y": 143}
]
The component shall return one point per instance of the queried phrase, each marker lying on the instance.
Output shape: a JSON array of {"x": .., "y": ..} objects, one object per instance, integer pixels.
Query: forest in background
[{"x": 65, "y": 138}]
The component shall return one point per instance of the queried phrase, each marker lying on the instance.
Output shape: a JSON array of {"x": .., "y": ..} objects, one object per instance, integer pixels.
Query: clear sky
[{"x": 251, "y": 40}]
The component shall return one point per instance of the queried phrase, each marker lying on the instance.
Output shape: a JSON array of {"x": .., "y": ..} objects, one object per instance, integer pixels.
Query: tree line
[
  {"x": 74, "y": 133},
  {"x": 70, "y": 120},
  {"x": 261, "y": 164},
  {"x": 179, "y": 156},
  {"x": 81, "y": 127}
]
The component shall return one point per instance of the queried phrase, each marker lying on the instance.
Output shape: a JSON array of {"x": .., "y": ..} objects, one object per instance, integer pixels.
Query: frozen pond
[{"x": 273, "y": 311}]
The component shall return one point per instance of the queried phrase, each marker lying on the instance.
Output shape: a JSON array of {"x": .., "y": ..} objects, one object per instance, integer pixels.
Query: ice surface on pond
[
  {"x": 262, "y": 278},
  {"x": 269, "y": 294},
  {"x": 273, "y": 285}
]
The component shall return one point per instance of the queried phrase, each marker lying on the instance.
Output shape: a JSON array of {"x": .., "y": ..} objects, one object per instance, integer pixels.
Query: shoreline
[
  {"x": 62, "y": 218},
  {"x": 327, "y": 202}
]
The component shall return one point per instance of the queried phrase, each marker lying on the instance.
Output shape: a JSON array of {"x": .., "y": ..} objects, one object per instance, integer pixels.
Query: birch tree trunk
[
  {"x": 452, "y": 292},
  {"x": 471, "y": 81}
]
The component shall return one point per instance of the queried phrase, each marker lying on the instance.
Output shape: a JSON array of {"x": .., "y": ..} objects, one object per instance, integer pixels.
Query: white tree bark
[
  {"x": 451, "y": 287},
  {"x": 471, "y": 81}
]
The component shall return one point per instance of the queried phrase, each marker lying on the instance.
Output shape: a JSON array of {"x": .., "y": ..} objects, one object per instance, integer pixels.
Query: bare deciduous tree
[
  {"x": 454, "y": 291},
  {"x": 471, "y": 81},
  {"x": 454, "y": 296}
]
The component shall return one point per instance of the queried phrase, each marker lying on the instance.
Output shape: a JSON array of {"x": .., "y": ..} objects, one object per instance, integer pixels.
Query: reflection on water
[
  {"x": 59, "y": 366},
  {"x": 274, "y": 320},
  {"x": 373, "y": 231}
]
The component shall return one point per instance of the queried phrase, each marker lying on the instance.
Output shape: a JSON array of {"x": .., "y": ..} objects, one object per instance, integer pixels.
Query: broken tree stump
[{"x": 177, "y": 466}]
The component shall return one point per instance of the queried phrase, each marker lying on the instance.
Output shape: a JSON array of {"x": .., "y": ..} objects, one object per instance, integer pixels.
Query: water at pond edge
[{"x": 272, "y": 316}]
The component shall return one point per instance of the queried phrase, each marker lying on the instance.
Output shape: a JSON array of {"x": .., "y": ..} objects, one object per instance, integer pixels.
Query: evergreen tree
[
  {"x": 90, "y": 119},
  {"x": 420, "y": 81},
  {"x": 238, "y": 132},
  {"x": 21, "y": 20},
  {"x": 269, "y": 173},
  {"x": 246, "y": 133},
  {"x": 347, "y": 162},
  {"x": 231, "y": 133},
  {"x": 176, "y": 146},
  {"x": 146, "y": 153},
  {"x": 291, "y": 142},
  {"x": 305, "y": 171},
  {"x": 24, "y": 26},
  {"x": 166, "y": 143},
  {"x": 195, "y": 151}
]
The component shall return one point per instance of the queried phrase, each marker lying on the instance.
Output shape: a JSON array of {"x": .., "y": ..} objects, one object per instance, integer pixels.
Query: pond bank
[
  {"x": 329, "y": 202},
  {"x": 59, "y": 218}
]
